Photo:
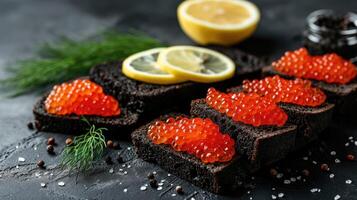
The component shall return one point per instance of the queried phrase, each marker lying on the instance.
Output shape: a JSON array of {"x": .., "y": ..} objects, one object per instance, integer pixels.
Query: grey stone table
[{"x": 24, "y": 24}]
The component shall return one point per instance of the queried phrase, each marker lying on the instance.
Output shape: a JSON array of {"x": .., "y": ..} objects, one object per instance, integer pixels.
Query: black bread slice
[
  {"x": 157, "y": 99},
  {"x": 216, "y": 178},
  {"x": 344, "y": 96},
  {"x": 262, "y": 145},
  {"x": 119, "y": 126},
  {"x": 310, "y": 121}
]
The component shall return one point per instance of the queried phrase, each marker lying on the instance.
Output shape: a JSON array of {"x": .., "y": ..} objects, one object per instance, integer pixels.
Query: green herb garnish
[
  {"x": 69, "y": 59},
  {"x": 85, "y": 149}
]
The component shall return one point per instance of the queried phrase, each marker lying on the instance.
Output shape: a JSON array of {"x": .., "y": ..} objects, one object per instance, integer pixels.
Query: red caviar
[
  {"x": 81, "y": 97},
  {"x": 199, "y": 137},
  {"x": 278, "y": 89},
  {"x": 247, "y": 108},
  {"x": 330, "y": 68}
]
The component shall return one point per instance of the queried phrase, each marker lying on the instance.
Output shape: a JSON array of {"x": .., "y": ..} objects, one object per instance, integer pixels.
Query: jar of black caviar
[{"x": 328, "y": 32}]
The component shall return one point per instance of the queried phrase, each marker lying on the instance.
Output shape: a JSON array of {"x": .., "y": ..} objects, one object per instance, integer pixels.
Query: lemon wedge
[
  {"x": 142, "y": 67},
  {"x": 223, "y": 22},
  {"x": 196, "y": 64}
]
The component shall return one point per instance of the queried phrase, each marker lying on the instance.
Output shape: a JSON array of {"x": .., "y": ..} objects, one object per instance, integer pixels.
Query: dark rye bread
[
  {"x": 344, "y": 96},
  {"x": 119, "y": 126},
  {"x": 216, "y": 178},
  {"x": 310, "y": 121},
  {"x": 156, "y": 99},
  {"x": 262, "y": 145}
]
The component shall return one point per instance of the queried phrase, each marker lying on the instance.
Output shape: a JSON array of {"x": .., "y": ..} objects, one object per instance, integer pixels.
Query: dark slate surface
[{"x": 27, "y": 23}]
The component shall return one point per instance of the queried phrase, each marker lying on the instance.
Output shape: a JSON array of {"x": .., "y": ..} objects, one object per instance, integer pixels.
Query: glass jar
[{"x": 328, "y": 32}]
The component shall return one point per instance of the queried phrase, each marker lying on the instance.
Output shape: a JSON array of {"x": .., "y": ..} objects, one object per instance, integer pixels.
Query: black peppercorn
[
  {"x": 30, "y": 126},
  {"x": 108, "y": 160},
  {"x": 179, "y": 189},
  {"x": 116, "y": 145},
  {"x": 151, "y": 176},
  {"x": 153, "y": 183},
  {"x": 50, "y": 149},
  {"x": 41, "y": 164},
  {"x": 51, "y": 141}
]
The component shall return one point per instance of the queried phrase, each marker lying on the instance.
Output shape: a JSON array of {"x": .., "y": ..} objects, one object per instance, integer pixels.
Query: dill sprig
[
  {"x": 85, "y": 149},
  {"x": 68, "y": 59}
]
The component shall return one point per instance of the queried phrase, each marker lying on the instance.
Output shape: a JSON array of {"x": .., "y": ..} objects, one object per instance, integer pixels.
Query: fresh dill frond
[
  {"x": 85, "y": 149},
  {"x": 69, "y": 59}
]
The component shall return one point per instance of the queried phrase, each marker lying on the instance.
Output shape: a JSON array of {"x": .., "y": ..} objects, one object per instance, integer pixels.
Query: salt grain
[
  {"x": 61, "y": 183},
  {"x": 125, "y": 190},
  {"x": 21, "y": 159}
]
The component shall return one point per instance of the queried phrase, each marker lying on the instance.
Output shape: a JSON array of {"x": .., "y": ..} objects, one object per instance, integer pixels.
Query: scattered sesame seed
[
  {"x": 273, "y": 196},
  {"x": 314, "y": 162},
  {"x": 125, "y": 190},
  {"x": 168, "y": 174},
  {"x": 292, "y": 179},
  {"x": 129, "y": 166},
  {"x": 337, "y": 197},
  {"x": 350, "y": 138},
  {"x": 43, "y": 185},
  {"x": 355, "y": 143},
  {"x": 337, "y": 160},
  {"x": 160, "y": 184},
  {"x": 332, "y": 175},
  {"x": 21, "y": 159},
  {"x": 287, "y": 182},
  {"x": 173, "y": 195},
  {"x": 305, "y": 158},
  {"x": 348, "y": 181},
  {"x": 273, "y": 189},
  {"x": 159, "y": 188},
  {"x": 111, "y": 170},
  {"x": 298, "y": 178},
  {"x": 333, "y": 153},
  {"x": 61, "y": 183},
  {"x": 281, "y": 195},
  {"x": 143, "y": 188},
  {"x": 125, "y": 172},
  {"x": 154, "y": 172},
  {"x": 347, "y": 144},
  {"x": 248, "y": 192}
]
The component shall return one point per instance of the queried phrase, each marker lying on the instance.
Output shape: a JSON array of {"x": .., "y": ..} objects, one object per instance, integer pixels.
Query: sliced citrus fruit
[
  {"x": 142, "y": 67},
  {"x": 223, "y": 22},
  {"x": 196, "y": 64}
]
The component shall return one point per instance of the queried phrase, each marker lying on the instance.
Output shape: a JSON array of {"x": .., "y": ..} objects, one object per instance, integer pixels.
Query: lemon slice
[
  {"x": 142, "y": 67},
  {"x": 196, "y": 64},
  {"x": 223, "y": 22}
]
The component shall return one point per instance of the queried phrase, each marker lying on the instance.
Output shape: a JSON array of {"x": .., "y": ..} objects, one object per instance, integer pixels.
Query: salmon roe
[
  {"x": 81, "y": 97},
  {"x": 199, "y": 137},
  {"x": 247, "y": 108},
  {"x": 330, "y": 68},
  {"x": 278, "y": 89}
]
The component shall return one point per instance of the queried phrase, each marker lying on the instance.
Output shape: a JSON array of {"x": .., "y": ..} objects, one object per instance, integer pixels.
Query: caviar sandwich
[
  {"x": 206, "y": 157},
  {"x": 61, "y": 110},
  {"x": 330, "y": 72},
  {"x": 305, "y": 105},
  {"x": 256, "y": 123}
]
